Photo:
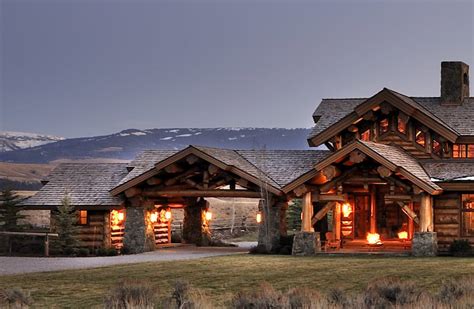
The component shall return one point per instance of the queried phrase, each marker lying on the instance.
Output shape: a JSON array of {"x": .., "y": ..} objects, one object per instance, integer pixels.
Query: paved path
[{"x": 20, "y": 265}]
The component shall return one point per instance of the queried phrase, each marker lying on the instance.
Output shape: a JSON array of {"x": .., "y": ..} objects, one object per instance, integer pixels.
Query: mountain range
[{"x": 35, "y": 148}]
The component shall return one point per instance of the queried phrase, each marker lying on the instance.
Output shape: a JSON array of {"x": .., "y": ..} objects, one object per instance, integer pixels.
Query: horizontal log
[
  {"x": 394, "y": 197},
  {"x": 204, "y": 193},
  {"x": 154, "y": 181},
  {"x": 332, "y": 197},
  {"x": 132, "y": 192}
]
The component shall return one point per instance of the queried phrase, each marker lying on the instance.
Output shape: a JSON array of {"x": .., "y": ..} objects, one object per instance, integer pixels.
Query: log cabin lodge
[{"x": 398, "y": 174}]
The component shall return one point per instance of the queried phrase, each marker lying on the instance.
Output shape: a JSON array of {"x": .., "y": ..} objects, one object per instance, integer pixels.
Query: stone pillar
[
  {"x": 136, "y": 238},
  {"x": 306, "y": 243},
  {"x": 195, "y": 226},
  {"x": 424, "y": 244},
  {"x": 270, "y": 230}
]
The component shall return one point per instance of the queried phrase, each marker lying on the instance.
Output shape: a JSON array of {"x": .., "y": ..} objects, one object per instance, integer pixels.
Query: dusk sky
[{"x": 79, "y": 68}]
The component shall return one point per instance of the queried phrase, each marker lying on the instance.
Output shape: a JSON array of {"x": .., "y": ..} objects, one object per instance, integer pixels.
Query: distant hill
[
  {"x": 126, "y": 144},
  {"x": 10, "y": 141}
]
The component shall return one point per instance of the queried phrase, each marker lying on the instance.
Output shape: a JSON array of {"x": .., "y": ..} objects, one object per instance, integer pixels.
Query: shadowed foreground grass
[{"x": 220, "y": 277}]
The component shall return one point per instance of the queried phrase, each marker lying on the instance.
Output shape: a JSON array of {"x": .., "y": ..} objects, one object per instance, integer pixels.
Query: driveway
[{"x": 20, "y": 265}]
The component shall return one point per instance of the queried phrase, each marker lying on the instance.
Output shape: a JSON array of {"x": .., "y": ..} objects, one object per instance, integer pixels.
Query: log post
[
  {"x": 195, "y": 226},
  {"x": 373, "y": 217},
  {"x": 426, "y": 213},
  {"x": 307, "y": 213},
  {"x": 337, "y": 221}
]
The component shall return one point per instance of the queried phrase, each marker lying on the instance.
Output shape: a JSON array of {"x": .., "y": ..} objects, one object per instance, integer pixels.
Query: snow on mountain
[
  {"x": 126, "y": 144},
  {"x": 10, "y": 141}
]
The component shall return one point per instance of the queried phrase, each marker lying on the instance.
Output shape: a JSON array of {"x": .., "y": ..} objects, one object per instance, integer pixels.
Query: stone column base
[
  {"x": 306, "y": 243},
  {"x": 424, "y": 244}
]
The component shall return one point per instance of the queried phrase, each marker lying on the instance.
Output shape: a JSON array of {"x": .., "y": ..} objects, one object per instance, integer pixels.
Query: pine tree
[
  {"x": 293, "y": 215},
  {"x": 65, "y": 226},
  {"x": 10, "y": 211}
]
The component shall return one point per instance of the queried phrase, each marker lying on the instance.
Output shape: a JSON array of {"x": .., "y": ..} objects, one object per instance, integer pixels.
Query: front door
[{"x": 361, "y": 216}]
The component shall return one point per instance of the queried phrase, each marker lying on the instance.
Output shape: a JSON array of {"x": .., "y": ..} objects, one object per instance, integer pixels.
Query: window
[
  {"x": 420, "y": 137},
  {"x": 467, "y": 215},
  {"x": 383, "y": 125},
  {"x": 365, "y": 136},
  {"x": 436, "y": 147},
  {"x": 401, "y": 125},
  {"x": 83, "y": 217},
  {"x": 463, "y": 151}
]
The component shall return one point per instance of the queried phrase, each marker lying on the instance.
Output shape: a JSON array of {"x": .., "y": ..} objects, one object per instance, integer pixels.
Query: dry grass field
[{"x": 221, "y": 277}]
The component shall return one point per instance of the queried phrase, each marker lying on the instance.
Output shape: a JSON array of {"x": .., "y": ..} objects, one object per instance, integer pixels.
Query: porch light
[
  {"x": 208, "y": 216},
  {"x": 154, "y": 217},
  {"x": 121, "y": 216},
  {"x": 117, "y": 217},
  {"x": 168, "y": 215},
  {"x": 403, "y": 235},
  {"x": 259, "y": 217},
  {"x": 346, "y": 210},
  {"x": 373, "y": 239}
]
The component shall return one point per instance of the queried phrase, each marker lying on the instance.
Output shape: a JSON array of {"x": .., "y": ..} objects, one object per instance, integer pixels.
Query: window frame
[
  {"x": 80, "y": 217},
  {"x": 381, "y": 132},
  {"x": 424, "y": 137},
  {"x": 464, "y": 198},
  {"x": 465, "y": 151},
  {"x": 405, "y": 124}
]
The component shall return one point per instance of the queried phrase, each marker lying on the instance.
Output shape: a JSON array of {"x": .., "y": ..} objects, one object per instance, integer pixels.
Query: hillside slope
[{"x": 126, "y": 144}]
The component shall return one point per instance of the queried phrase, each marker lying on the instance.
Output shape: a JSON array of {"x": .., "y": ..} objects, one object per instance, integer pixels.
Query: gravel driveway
[{"x": 20, "y": 265}]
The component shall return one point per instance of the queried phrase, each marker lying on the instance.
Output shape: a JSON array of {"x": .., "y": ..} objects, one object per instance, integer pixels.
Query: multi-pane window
[
  {"x": 467, "y": 215},
  {"x": 365, "y": 136},
  {"x": 83, "y": 217},
  {"x": 436, "y": 145},
  {"x": 383, "y": 125},
  {"x": 420, "y": 137},
  {"x": 401, "y": 125},
  {"x": 463, "y": 151}
]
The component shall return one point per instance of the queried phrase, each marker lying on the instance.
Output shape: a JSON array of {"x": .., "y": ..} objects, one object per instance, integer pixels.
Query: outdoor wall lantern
[
  {"x": 208, "y": 215},
  {"x": 168, "y": 215},
  {"x": 259, "y": 217},
  {"x": 346, "y": 210},
  {"x": 154, "y": 217}
]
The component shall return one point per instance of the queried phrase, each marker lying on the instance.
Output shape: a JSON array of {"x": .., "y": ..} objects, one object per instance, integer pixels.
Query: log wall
[
  {"x": 94, "y": 234},
  {"x": 447, "y": 218}
]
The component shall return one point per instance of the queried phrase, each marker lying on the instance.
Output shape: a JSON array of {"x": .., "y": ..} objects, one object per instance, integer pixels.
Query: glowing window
[
  {"x": 401, "y": 125},
  {"x": 383, "y": 125},
  {"x": 468, "y": 215},
  {"x": 420, "y": 137},
  {"x": 365, "y": 136},
  {"x": 436, "y": 147},
  {"x": 463, "y": 151},
  {"x": 83, "y": 217}
]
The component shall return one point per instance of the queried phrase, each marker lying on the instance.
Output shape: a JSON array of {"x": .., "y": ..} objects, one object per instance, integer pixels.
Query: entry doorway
[{"x": 362, "y": 215}]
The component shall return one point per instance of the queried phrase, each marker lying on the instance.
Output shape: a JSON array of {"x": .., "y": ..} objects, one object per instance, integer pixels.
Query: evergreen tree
[
  {"x": 293, "y": 215},
  {"x": 65, "y": 226},
  {"x": 10, "y": 211}
]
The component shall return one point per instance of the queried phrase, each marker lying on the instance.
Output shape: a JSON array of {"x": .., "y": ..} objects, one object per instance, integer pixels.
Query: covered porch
[{"x": 366, "y": 197}]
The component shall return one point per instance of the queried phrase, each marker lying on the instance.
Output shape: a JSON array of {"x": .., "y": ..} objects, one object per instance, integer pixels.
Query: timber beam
[{"x": 202, "y": 193}]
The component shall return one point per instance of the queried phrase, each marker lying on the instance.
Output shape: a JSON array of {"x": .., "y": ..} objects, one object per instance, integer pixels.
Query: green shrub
[
  {"x": 15, "y": 298},
  {"x": 101, "y": 251},
  {"x": 111, "y": 252},
  {"x": 83, "y": 252},
  {"x": 131, "y": 295},
  {"x": 460, "y": 247}
]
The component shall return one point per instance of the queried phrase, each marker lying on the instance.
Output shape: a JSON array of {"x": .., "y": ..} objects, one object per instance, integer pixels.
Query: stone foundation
[
  {"x": 306, "y": 243},
  {"x": 137, "y": 236},
  {"x": 424, "y": 244}
]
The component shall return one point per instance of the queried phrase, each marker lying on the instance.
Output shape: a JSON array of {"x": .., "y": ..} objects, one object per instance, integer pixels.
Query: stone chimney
[{"x": 454, "y": 82}]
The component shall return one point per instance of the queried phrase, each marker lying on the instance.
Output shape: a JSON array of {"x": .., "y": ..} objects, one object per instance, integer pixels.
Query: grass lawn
[{"x": 219, "y": 277}]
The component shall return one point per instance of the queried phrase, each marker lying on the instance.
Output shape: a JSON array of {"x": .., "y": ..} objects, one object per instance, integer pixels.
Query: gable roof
[
  {"x": 274, "y": 167},
  {"x": 335, "y": 114},
  {"x": 394, "y": 158},
  {"x": 87, "y": 184}
]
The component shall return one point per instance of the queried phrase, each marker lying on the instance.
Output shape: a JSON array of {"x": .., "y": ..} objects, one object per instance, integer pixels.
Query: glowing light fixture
[
  {"x": 403, "y": 235},
  {"x": 168, "y": 215},
  {"x": 154, "y": 216},
  {"x": 259, "y": 217},
  {"x": 208, "y": 216},
  {"x": 346, "y": 209},
  {"x": 373, "y": 239}
]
